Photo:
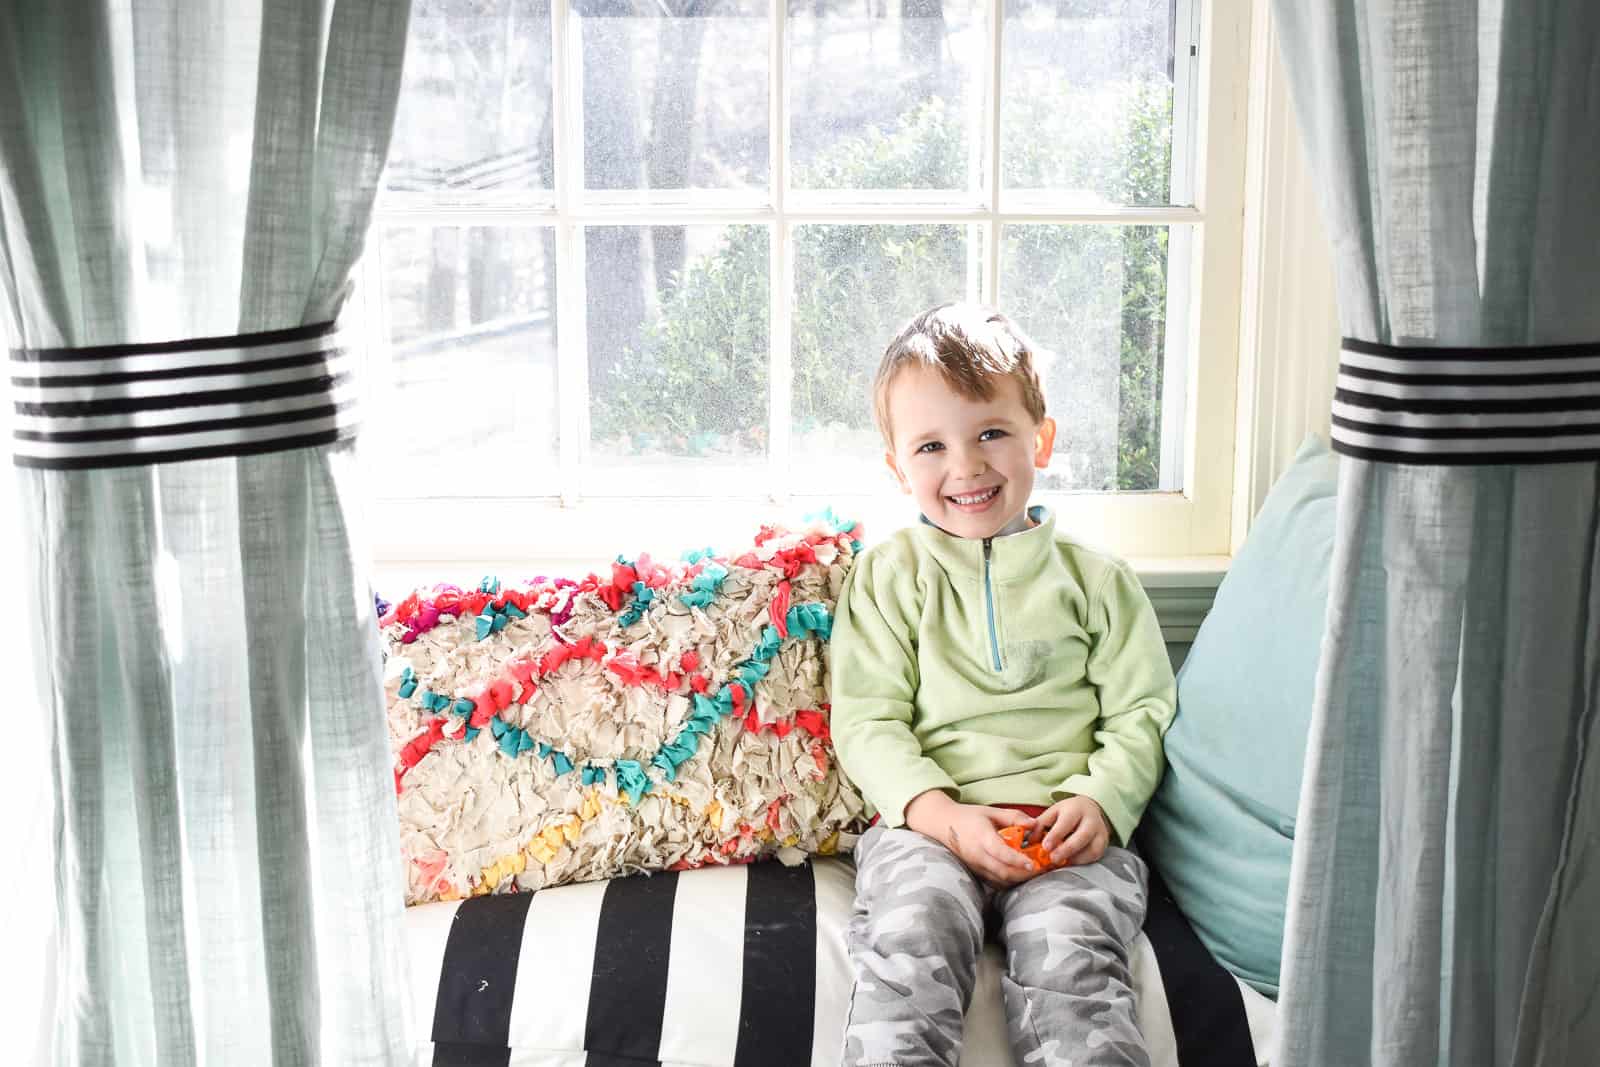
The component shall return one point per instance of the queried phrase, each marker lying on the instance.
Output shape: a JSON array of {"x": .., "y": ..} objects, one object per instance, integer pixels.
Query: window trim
[
  {"x": 1289, "y": 319},
  {"x": 1192, "y": 524}
]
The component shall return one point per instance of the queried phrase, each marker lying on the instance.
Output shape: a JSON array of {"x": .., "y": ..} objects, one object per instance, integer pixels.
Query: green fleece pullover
[{"x": 1020, "y": 669}]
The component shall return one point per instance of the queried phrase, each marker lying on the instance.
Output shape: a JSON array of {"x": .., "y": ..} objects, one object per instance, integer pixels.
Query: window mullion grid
[
  {"x": 1181, "y": 244},
  {"x": 992, "y": 228},
  {"x": 571, "y": 211},
  {"x": 780, "y": 287},
  {"x": 572, "y": 343},
  {"x": 1185, "y": 36},
  {"x": 841, "y": 214},
  {"x": 845, "y": 214}
]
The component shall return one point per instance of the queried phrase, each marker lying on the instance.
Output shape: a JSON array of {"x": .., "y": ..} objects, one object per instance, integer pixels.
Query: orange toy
[{"x": 1015, "y": 835}]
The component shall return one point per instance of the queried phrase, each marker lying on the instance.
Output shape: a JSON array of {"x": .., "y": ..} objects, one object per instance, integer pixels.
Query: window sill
[{"x": 1181, "y": 589}]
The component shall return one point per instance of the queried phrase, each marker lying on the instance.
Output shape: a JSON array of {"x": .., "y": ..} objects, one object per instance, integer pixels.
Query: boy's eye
[
  {"x": 929, "y": 446},
  {"x": 991, "y": 435}
]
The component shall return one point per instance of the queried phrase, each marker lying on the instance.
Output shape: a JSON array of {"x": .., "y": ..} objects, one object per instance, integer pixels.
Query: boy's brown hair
[{"x": 970, "y": 346}]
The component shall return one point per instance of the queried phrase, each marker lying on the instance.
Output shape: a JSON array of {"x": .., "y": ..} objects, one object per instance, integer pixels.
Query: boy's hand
[
  {"x": 1074, "y": 831},
  {"x": 972, "y": 832}
]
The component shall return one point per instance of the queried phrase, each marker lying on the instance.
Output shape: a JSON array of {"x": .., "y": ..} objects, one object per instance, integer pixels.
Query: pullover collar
[{"x": 1011, "y": 555}]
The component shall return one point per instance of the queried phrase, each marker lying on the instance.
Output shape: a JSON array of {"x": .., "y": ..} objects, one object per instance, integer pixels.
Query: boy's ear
[
  {"x": 1044, "y": 442},
  {"x": 899, "y": 475}
]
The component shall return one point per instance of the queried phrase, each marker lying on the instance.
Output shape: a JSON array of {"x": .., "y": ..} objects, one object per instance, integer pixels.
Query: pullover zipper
[{"x": 988, "y": 596}]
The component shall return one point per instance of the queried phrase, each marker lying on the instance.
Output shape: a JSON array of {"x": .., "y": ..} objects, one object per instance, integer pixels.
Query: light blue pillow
[{"x": 1220, "y": 828}]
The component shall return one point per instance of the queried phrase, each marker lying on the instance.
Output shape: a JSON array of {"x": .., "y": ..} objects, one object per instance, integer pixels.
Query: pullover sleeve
[
  {"x": 874, "y": 676},
  {"x": 1133, "y": 676}
]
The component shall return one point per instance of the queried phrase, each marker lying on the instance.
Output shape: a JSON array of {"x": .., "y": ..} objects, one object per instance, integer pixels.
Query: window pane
[
  {"x": 678, "y": 396},
  {"x": 470, "y": 408},
  {"x": 1086, "y": 102},
  {"x": 474, "y": 113},
  {"x": 674, "y": 93},
  {"x": 1096, "y": 298},
  {"x": 886, "y": 96},
  {"x": 855, "y": 287}
]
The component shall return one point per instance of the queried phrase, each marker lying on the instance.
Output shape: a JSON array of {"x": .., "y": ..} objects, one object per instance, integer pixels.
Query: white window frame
[{"x": 1186, "y": 527}]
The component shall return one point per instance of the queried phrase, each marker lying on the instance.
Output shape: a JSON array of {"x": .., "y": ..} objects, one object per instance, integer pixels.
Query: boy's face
[{"x": 968, "y": 463}]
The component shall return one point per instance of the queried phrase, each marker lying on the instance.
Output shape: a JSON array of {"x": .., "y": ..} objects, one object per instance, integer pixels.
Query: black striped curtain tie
[
  {"x": 1436, "y": 406},
  {"x": 170, "y": 401}
]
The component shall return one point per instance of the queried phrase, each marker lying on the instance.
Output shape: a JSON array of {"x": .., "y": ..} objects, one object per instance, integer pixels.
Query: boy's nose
[{"x": 970, "y": 463}]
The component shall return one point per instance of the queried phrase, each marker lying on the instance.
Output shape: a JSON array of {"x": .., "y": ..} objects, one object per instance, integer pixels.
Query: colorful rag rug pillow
[{"x": 661, "y": 717}]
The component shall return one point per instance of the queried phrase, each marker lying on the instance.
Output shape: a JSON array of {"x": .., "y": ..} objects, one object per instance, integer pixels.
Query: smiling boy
[{"x": 989, "y": 671}]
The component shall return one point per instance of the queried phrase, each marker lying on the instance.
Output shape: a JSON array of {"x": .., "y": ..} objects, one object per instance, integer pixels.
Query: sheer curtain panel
[
  {"x": 184, "y": 187},
  {"x": 1444, "y": 906}
]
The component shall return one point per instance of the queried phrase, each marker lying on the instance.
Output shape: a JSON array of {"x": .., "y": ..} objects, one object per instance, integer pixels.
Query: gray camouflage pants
[{"x": 917, "y": 932}]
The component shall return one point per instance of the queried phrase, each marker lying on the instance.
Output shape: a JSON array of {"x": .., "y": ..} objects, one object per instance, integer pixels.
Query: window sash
[{"x": 1188, "y": 518}]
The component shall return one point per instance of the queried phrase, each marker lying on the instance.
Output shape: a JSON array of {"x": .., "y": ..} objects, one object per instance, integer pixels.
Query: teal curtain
[
  {"x": 227, "y": 880},
  {"x": 1444, "y": 902}
]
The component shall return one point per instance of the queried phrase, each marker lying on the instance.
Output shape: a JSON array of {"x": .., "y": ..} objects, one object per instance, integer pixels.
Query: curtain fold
[
  {"x": 1443, "y": 896},
  {"x": 227, "y": 870}
]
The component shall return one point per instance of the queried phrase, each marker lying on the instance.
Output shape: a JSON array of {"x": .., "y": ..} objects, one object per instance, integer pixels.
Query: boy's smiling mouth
[{"x": 975, "y": 500}]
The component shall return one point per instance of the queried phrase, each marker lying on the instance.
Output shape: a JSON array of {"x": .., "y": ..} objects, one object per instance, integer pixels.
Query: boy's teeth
[{"x": 975, "y": 498}]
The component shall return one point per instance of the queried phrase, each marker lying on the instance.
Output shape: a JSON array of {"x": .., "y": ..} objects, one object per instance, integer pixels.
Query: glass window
[
  {"x": 469, "y": 404},
  {"x": 632, "y": 250}
]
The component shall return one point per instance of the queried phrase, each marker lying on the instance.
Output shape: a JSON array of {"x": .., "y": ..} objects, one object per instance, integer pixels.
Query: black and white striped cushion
[{"x": 739, "y": 966}]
